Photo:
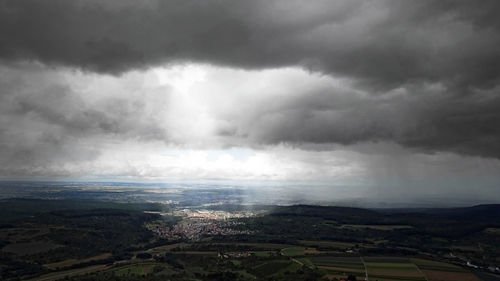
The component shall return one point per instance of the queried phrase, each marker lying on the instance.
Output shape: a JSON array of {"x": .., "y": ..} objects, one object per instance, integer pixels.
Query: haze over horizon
[{"x": 382, "y": 98}]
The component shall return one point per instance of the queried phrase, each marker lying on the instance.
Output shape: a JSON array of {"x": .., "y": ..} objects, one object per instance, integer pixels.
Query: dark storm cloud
[
  {"x": 57, "y": 105},
  {"x": 45, "y": 122},
  {"x": 422, "y": 118},
  {"x": 383, "y": 42},
  {"x": 441, "y": 55}
]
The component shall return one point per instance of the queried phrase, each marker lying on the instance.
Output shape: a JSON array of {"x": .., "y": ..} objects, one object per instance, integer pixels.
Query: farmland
[
  {"x": 305, "y": 261},
  {"x": 136, "y": 269},
  {"x": 436, "y": 275},
  {"x": 440, "y": 271},
  {"x": 339, "y": 267},
  {"x": 393, "y": 271},
  {"x": 298, "y": 251},
  {"x": 264, "y": 266},
  {"x": 290, "y": 243},
  {"x": 328, "y": 244},
  {"x": 436, "y": 265},
  {"x": 271, "y": 267},
  {"x": 376, "y": 227},
  {"x": 70, "y": 273},
  {"x": 71, "y": 262}
]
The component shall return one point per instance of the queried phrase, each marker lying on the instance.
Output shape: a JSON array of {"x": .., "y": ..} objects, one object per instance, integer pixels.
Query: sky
[{"x": 389, "y": 97}]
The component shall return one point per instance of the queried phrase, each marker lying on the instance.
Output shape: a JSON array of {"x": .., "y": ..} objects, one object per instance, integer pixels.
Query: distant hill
[
  {"x": 490, "y": 212},
  {"x": 484, "y": 213},
  {"x": 452, "y": 222},
  {"x": 20, "y": 208},
  {"x": 339, "y": 214}
]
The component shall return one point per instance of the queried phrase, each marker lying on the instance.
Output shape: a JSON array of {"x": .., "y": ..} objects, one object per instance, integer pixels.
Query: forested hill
[
  {"x": 485, "y": 213},
  {"x": 453, "y": 222}
]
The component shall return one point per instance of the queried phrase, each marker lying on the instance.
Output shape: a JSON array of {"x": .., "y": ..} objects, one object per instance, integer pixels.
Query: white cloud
[{"x": 190, "y": 122}]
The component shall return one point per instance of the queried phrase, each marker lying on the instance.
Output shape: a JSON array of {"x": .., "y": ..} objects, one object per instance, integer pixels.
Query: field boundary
[
  {"x": 419, "y": 270},
  {"x": 366, "y": 269}
]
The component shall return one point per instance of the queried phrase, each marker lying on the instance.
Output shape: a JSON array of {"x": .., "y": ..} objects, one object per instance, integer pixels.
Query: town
[{"x": 195, "y": 224}]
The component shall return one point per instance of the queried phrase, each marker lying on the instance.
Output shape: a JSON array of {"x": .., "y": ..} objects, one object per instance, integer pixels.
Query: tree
[{"x": 351, "y": 277}]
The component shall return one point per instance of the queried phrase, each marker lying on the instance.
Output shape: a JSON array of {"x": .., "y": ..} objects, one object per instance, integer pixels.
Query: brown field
[
  {"x": 134, "y": 269},
  {"x": 70, "y": 262},
  {"x": 435, "y": 275},
  {"x": 436, "y": 265},
  {"x": 333, "y": 276},
  {"x": 311, "y": 252},
  {"x": 348, "y": 262},
  {"x": 147, "y": 269},
  {"x": 71, "y": 272},
  {"x": 346, "y": 270}
]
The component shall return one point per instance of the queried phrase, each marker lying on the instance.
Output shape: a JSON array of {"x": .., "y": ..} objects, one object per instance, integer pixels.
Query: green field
[
  {"x": 339, "y": 267},
  {"x": 236, "y": 262},
  {"x": 262, "y": 253},
  {"x": 136, "y": 269},
  {"x": 271, "y": 267},
  {"x": 246, "y": 275},
  {"x": 292, "y": 251},
  {"x": 306, "y": 261}
]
